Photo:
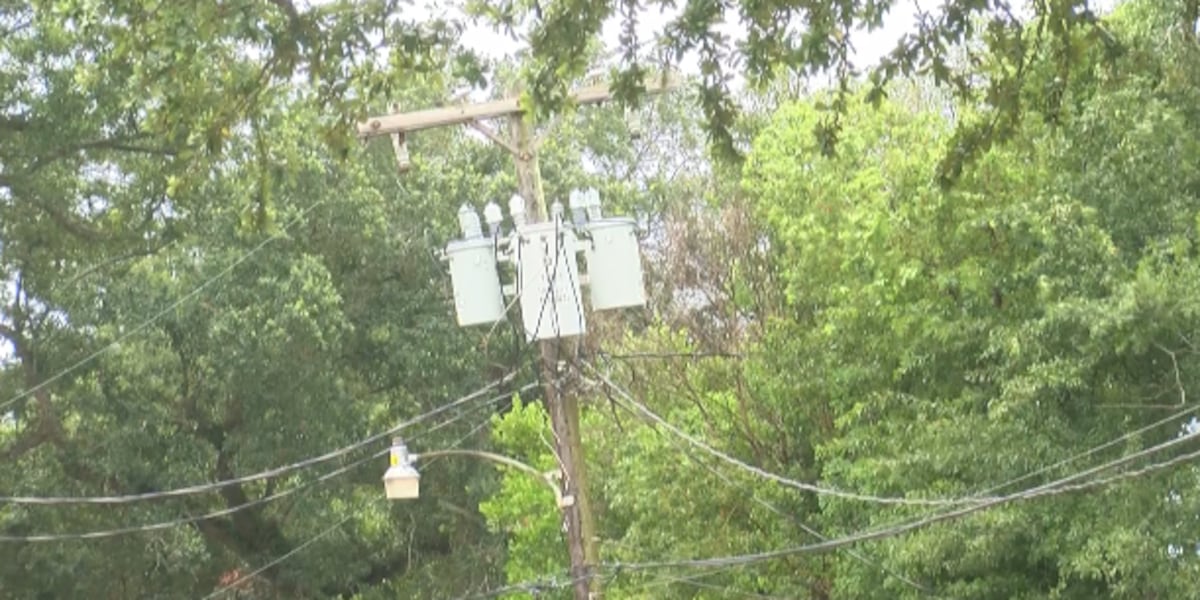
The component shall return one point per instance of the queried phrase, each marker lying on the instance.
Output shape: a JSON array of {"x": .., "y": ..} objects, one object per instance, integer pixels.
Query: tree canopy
[{"x": 947, "y": 303}]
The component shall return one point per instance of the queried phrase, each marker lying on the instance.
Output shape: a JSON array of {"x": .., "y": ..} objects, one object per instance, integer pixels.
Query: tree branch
[
  {"x": 288, "y": 8},
  {"x": 9, "y": 333},
  {"x": 24, "y": 444},
  {"x": 68, "y": 224},
  {"x": 13, "y": 124},
  {"x": 127, "y": 143}
]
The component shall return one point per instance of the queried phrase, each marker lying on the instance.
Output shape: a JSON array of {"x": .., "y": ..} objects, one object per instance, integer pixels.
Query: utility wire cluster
[
  {"x": 1071, "y": 483},
  {"x": 58, "y": 537},
  {"x": 614, "y": 569},
  {"x": 161, "y": 313},
  {"x": 954, "y": 507},
  {"x": 273, "y": 472},
  {"x": 337, "y": 525},
  {"x": 679, "y": 445}
]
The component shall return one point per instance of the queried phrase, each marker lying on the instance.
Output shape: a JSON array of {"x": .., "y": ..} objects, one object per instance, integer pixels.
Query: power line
[
  {"x": 668, "y": 355},
  {"x": 269, "y": 473},
  {"x": 161, "y": 313},
  {"x": 981, "y": 495},
  {"x": 101, "y": 534},
  {"x": 693, "y": 580},
  {"x": 294, "y": 551},
  {"x": 1061, "y": 486},
  {"x": 1093, "y": 450},
  {"x": 1058, "y": 487},
  {"x": 800, "y": 485},
  {"x": 776, "y": 510}
]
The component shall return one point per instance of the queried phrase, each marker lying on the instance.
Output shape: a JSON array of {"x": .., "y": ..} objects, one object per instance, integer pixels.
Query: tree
[
  {"x": 809, "y": 38},
  {"x": 335, "y": 325},
  {"x": 930, "y": 342},
  {"x": 962, "y": 338}
]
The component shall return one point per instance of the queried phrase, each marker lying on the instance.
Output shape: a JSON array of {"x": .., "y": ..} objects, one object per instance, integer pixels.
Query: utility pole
[{"x": 563, "y": 408}]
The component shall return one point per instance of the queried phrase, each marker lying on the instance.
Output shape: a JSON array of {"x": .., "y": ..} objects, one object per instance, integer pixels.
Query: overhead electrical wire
[
  {"x": 157, "y": 526},
  {"x": 1173, "y": 418},
  {"x": 800, "y": 485},
  {"x": 1093, "y": 450},
  {"x": 228, "y": 587},
  {"x": 1061, "y": 486},
  {"x": 820, "y": 490},
  {"x": 776, "y": 510},
  {"x": 161, "y": 313},
  {"x": 294, "y": 551},
  {"x": 269, "y": 473},
  {"x": 613, "y": 569},
  {"x": 1078, "y": 456},
  {"x": 693, "y": 580}
]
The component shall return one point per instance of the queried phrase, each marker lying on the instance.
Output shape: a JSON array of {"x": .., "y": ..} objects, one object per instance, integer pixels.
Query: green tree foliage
[
  {"x": 982, "y": 51},
  {"x": 910, "y": 340},
  {"x": 336, "y": 326},
  {"x": 523, "y": 508},
  {"x": 178, "y": 315},
  {"x": 842, "y": 317},
  {"x": 962, "y": 338}
]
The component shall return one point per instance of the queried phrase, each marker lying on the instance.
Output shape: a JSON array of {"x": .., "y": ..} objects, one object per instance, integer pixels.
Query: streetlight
[{"x": 402, "y": 480}]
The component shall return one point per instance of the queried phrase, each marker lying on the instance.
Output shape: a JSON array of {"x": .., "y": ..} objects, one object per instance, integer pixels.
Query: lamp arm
[{"x": 547, "y": 478}]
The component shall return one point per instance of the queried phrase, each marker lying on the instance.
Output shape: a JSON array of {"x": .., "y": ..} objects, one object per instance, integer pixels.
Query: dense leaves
[{"x": 983, "y": 263}]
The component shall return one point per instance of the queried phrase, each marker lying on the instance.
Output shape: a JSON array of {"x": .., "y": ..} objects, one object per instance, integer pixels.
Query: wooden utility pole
[{"x": 563, "y": 408}]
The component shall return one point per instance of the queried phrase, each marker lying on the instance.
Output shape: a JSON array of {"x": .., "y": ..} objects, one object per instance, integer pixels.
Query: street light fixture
[{"x": 402, "y": 481}]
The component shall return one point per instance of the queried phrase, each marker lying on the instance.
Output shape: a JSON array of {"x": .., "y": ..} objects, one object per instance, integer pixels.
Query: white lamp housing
[
  {"x": 478, "y": 299},
  {"x": 548, "y": 282},
  {"x": 401, "y": 481},
  {"x": 614, "y": 264}
]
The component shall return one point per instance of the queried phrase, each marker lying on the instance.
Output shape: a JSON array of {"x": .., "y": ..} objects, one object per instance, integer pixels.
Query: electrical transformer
[
  {"x": 614, "y": 264},
  {"x": 548, "y": 282},
  {"x": 477, "y": 295}
]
